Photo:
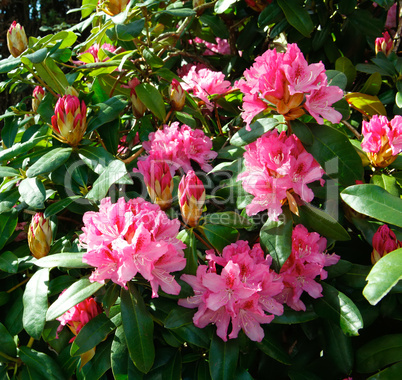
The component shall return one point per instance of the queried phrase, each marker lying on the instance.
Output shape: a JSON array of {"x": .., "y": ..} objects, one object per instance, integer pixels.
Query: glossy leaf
[
  {"x": 33, "y": 192},
  {"x": 190, "y": 252},
  {"x": 108, "y": 111},
  {"x": 391, "y": 373},
  {"x": 76, "y": 293},
  {"x": 98, "y": 365},
  {"x": 297, "y": 16},
  {"x": 372, "y": 85},
  {"x": 344, "y": 65},
  {"x": 8, "y": 199},
  {"x": 227, "y": 218},
  {"x": 8, "y": 222},
  {"x": 337, "y": 78},
  {"x": 383, "y": 276},
  {"x": 223, "y": 358},
  {"x": 273, "y": 347},
  {"x": 6, "y": 171},
  {"x": 96, "y": 158},
  {"x": 49, "y": 162},
  {"x": 222, "y": 5},
  {"x": 375, "y": 202},
  {"x": 65, "y": 260},
  {"x": 60, "y": 205},
  {"x": 7, "y": 343},
  {"x": 368, "y": 105},
  {"x": 340, "y": 309},
  {"x": 289, "y": 317},
  {"x": 35, "y": 303},
  {"x": 219, "y": 236},
  {"x": 126, "y": 32},
  {"x": 138, "y": 327},
  {"x": 152, "y": 99}
]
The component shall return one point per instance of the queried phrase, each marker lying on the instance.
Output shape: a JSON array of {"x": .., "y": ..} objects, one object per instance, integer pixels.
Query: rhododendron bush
[{"x": 203, "y": 190}]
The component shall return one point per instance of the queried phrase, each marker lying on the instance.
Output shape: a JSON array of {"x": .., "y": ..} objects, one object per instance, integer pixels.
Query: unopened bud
[
  {"x": 384, "y": 44},
  {"x": 37, "y": 96},
  {"x": 39, "y": 236},
  {"x": 384, "y": 242},
  {"x": 113, "y": 7},
  {"x": 16, "y": 39},
  {"x": 137, "y": 105},
  {"x": 177, "y": 95}
]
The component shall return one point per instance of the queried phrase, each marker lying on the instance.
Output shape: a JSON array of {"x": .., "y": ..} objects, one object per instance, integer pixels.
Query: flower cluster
[
  {"x": 126, "y": 238},
  {"x": 221, "y": 47},
  {"x": 287, "y": 84},
  {"x": 306, "y": 261},
  {"x": 278, "y": 168},
  {"x": 203, "y": 83},
  {"x": 178, "y": 145},
  {"x": 96, "y": 52},
  {"x": 384, "y": 242},
  {"x": 382, "y": 139},
  {"x": 237, "y": 287}
]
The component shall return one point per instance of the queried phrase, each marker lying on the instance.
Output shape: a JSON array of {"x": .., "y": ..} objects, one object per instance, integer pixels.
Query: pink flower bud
[
  {"x": 384, "y": 242},
  {"x": 112, "y": 7},
  {"x": 384, "y": 44},
  {"x": 70, "y": 121},
  {"x": 16, "y": 39},
  {"x": 137, "y": 105},
  {"x": 158, "y": 180},
  {"x": 39, "y": 235},
  {"x": 177, "y": 95},
  {"x": 191, "y": 198},
  {"x": 38, "y": 94}
]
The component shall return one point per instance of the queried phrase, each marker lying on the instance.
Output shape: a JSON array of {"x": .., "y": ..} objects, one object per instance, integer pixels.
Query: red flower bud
[
  {"x": 384, "y": 242},
  {"x": 16, "y": 39}
]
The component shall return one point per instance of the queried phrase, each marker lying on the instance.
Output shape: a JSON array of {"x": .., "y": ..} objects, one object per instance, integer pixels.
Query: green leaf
[
  {"x": 98, "y": 365},
  {"x": 76, "y": 293},
  {"x": 391, "y": 373},
  {"x": 35, "y": 57},
  {"x": 190, "y": 252},
  {"x": 219, "y": 236},
  {"x": 272, "y": 346},
  {"x": 222, "y": 5},
  {"x": 387, "y": 182},
  {"x": 365, "y": 22},
  {"x": 126, "y": 32},
  {"x": 64, "y": 260},
  {"x": 51, "y": 74},
  {"x": 35, "y": 303},
  {"x": 193, "y": 335},
  {"x": 8, "y": 222},
  {"x": 152, "y": 99},
  {"x": 372, "y": 85},
  {"x": 8, "y": 262},
  {"x": 276, "y": 238},
  {"x": 108, "y": 111},
  {"x": 366, "y": 104},
  {"x": 178, "y": 317},
  {"x": 269, "y": 14},
  {"x": 41, "y": 363},
  {"x": 152, "y": 59},
  {"x": 346, "y": 66},
  {"x": 290, "y": 317},
  {"x": 258, "y": 128},
  {"x": 8, "y": 64},
  {"x": 304, "y": 134},
  {"x": 96, "y": 158},
  {"x": 379, "y": 353},
  {"x": 49, "y": 162},
  {"x": 91, "y": 334},
  {"x": 179, "y": 12},
  {"x": 321, "y": 222},
  {"x": 114, "y": 171},
  {"x": 6, "y": 171},
  {"x": 383, "y": 276},
  {"x": 337, "y": 78},
  {"x": 33, "y": 192},
  {"x": 7, "y": 343},
  {"x": 297, "y": 16},
  {"x": 374, "y": 201},
  {"x": 227, "y": 218},
  {"x": 223, "y": 358},
  {"x": 138, "y": 328},
  {"x": 60, "y": 205},
  {"x": 340, "y": 309}
]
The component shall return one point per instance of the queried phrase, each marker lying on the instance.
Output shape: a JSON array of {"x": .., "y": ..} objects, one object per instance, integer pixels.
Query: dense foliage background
[{"x": 117, "y": 67}]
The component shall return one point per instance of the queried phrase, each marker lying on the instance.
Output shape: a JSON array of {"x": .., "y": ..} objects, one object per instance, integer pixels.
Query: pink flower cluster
[
  {"x": 287, "y": 84},
  {"x": 178, "y": 145},
  {"x": 203, "y": 83},
  {"x": 221, "y": 47},
  {"x": 306, "y": 261},
  {"x": 277, "y": 168},
  {"x": 127, "y": 238},
  {"x": 95, "y": 48},
  {"x": 79, "y": 315},
  {"x": 237, "y": 287}
]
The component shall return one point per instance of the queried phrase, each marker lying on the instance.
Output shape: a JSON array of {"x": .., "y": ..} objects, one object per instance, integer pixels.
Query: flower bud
[
  {"x": 158, "y": 180},
  {"x": 177, "y": 95},
  {"x": 384, "y": 242},
  {"x": 384, "y": 44},
  {"x": 16, "y": 39},
  {"x": 39, "y": 235},
  {"x": 137, "y": 105},
  {"x": 191, "y": 198},
  {"x": 38, "y": 94},
  {"x": 70, "y": 119},
  {"x": 113, "y": 7}
]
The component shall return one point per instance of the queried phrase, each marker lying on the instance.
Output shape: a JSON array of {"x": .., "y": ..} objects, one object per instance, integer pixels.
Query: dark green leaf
[
  {"x": 6, "y": 171},
  {"x": 272, "y": 346},
  {"x": 152, "y": 59},
  {"x": 374, "y": 201},
  {"x": 179, "y": 12},
  {"x": 9, "y": 64},
  {"x": 190, "y": 252},
  {"x": 8, "y": 262},
  {"x": 383, "y": 276},
  {"x": 223, "y": 358},
  {"x": 138, "y": 328},
  {"x": 372, "y": 85},
  {"x": 387, "y": 182},
  {"x": 35, "y": 303},
  {"x": 108, "y": 111},
  {"x": 366, "y": 23},
  {"x": 152, "y": 99},
  {"x": 60, "y": 205},
  {"x": 340, "y": 309},
  {"x": 98, "y": 365},
  {"x": 33, "y": 192},
  {"x": 36, "y": 57},
  {"x": 8, "y": 199},
  {"x": 219, "y": 236},
  {"x": 65, "y": 260},
  {"x": 7, "y": 343},
  {"x": 337, "y": 78},
  {"x": 126, "y": 32},
  {"x": 345, "y": 65},
  {"x": 76, "y": 293},
  {"x": 8, "y": 222},
  {"x": 302, "y": 132},
  {"x": 49, "y": 162},
  {"x": 289, "y": 317},
  {"x": 179, "y": 317},
  {"x": 193, "y": 335},
  {"x": 96, "y": 158},
  {"x": 276, "y": 239},
  {"x": 297, "y": 16},
  {"x": 227, "y": 218},
  {"x": 391, "y": 373},
  {"x": 269, "y": 14}
]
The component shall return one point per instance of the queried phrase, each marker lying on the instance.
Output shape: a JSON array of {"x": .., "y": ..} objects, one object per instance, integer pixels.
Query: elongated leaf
[
  {"x": 98, "y": 365},
  {"x": 379, "y": 353},
  {"x": 35, "y": 303},
  {"x": 383, "y": 276},
  {"x": 297, "y": 16},
  {"x": 108, "y": 111},
  {"x": 228, "y": 218},
  {"x": 223, "y": 358},
  {"x": 91, "y": 334},
  {"x": 190, "y": 252},
  {"x": 344, "y": 65},
  {"x": 340, "y": 309},
  {"x": 7, "y": 343},
  {"x": 391, "y": 373},
  {"x": 289, "y": 317},
  {"x": 366, "y": 104},
  {"x": 273, "y": 347},
  {"x": 219, "y": 236},
  {"x": 8, "y": 222},
  {"x": 96, "y": 158},
  {"x": 372, "y": 85},
  {"x": 8, "y": 199},
  {"x": 222, "y": 5},
  {"x": 41, "y": 363},
  {"x": 258, "y": 128},
  {"x": 276, "y": 239},
  {"x": 138, "y": 328},
  {"x": 374, "y": 201},
  {"x": 337, "y": 78},
  {"x": 52, "y": 75},
  {"x": 58, "y": 206},
  {"x": 76, "y": 293},
  {"x": 33, "y": 192},
  {"x": 65, "y": 260},
  {"x": 152, "y": 99},
  {"x": 6, "y": 171},
  {"x": 49, "y": 162},
  {"x": 126, "y": 32},
  {"x": 8, "y": 262}
]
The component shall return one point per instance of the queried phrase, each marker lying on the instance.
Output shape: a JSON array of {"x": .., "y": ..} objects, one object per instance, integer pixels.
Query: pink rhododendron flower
[
  {"x": 278, "y": 168},
  {"x": 179, "y": 145},
  {"x": 79, "y": 315},
  {"x": 134, "y": 237},
  {"x": 306, "y": 261},
  {"x": 384, "y": 44},
  {"x": 392, "y": 20},
  {"x": 95, "y": 49},
  {"x": 285, "y": 83},
  {"x": 384, "y": 242},
  {"x": 203, "y": 83},
  {"x": 242, "y": 291},
  {"x": 221, "y": 47},
  {"x": 382, "y": 139}
]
